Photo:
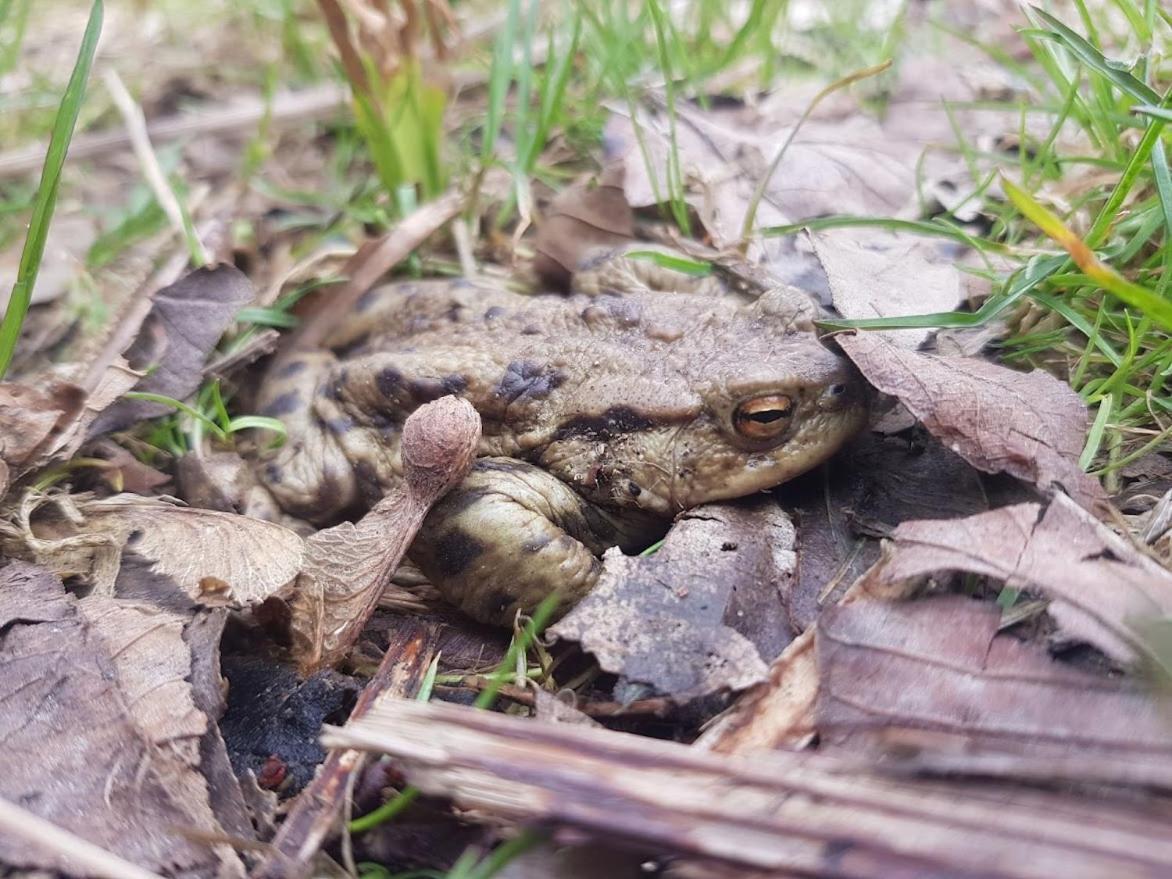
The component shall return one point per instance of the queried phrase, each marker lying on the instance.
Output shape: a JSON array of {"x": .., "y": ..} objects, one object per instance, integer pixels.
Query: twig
[
  {"x": 803, "y": 814},
  {"x": 363, "y": 270},
  {"x": 287, "y": 108},
  {"x": 75, "y": 854},
  {"x": 315, "y": 813},
  {"x": 140, "y": 140}
]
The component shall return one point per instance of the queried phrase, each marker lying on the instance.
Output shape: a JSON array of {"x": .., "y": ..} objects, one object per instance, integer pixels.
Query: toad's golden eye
[{"x": 764, "y": 417}]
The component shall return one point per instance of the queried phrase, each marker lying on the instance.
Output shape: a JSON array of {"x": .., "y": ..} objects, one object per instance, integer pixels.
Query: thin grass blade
[{"x": 46, "y": 199}]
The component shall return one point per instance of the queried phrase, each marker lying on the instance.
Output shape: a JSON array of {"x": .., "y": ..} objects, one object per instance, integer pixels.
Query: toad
[{"x": 605, "y": 413}]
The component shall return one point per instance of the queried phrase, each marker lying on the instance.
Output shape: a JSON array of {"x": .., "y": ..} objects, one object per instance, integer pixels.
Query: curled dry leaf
[
  {"x": 28, "y": 417},
  {"x": 671, "y": 620},
  {"x": 1101, "y": 587},
  {"x": 348, "y": 566},
  {"x": 1030, "y": 425},
  {"x": 935, "y": 674},
  {"x": 101, "y": 735},
  {"x": 582, "y": 218},
  {"x": 213, "y": 558},
  {"x": 184, "y": 324}
]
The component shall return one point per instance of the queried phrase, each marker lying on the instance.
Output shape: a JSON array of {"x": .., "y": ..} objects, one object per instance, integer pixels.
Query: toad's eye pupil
[{"x": 768, "y": 415}]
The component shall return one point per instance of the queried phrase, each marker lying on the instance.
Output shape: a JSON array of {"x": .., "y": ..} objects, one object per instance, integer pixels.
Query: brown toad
[{"x": 605, "y": 413}]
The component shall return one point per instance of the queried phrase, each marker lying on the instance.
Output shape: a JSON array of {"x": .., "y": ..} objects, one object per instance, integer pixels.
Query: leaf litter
[{"x": 819, "y": 606}]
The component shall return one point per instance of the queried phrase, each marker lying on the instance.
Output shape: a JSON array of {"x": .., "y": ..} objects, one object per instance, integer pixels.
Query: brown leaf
[
  {"x": 782, "y": 813},
  {"x": 936, "y": 673},
  {"x": 185, "y": 322},
  {"x": 347, "y": 567},
  {"x": 876, "y": 483},
  {"x": 1030, "y": 425},
  {"x": 883, "y": 274},
  {"x": 582, "y": 218},
  {"x": 839, "y": 166},
  {"x": 213, "y": 558},
  {"x": 28, "y": 416},
  {"x": 670, "y": 620},
  {"x": 1102, "y": 588},
  {"x": 126, "y": 472},
  {"x": 100, "y": 734}
]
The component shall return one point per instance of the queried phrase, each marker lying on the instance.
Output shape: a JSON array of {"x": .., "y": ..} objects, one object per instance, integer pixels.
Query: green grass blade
[
  {"x": 179, "y": 405},
  {"x": 1155, "y": 112},
  {"x": 1093, "y": 58},
  {"x": 1163, "y": 180},
  {"x": 694, "y": 267},
  {"x": 1141, "y": 298},
  {"x": 1095, "y": 436},
  {"x": 46, "y": 200},
  {"x": 261, "y": 422}
]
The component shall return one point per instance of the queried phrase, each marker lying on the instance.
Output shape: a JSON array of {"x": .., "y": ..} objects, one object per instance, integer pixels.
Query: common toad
[{"x": 605, "y": 413}]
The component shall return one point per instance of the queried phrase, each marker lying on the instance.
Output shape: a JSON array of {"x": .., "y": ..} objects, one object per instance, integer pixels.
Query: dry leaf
[
  {"x": 874, "y": 484},
  {"x": 671, "y": 620},
  {"x": 1102, "y": 588},
  {"x": 28, "y": 416},
  {"x": 185, "y": 322},
  {"x": 936, "y": 674},
  {"x": 887, "y": 275},
  {"x": 213, "y": 558},
  {"x": 580, "y": 219},
  {"x": 100, "y": 734},
  {"x": 1030, "y": 425}
]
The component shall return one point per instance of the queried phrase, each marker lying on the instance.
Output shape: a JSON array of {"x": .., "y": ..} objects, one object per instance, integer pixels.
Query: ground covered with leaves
[{"x": 944, "y": 652}]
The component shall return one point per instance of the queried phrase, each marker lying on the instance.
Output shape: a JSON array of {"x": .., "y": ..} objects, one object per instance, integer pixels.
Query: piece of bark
[
  {"x": 1102, "y": 588},
  {"x": 935, "y": 674},
  {"x": 347, "y": 567},
  {"x": 808, "y": 814},
  {"x": 1030, "y": 425},
  {"x": 670, "y": 620},
  {"x": 315, "y": 813}
]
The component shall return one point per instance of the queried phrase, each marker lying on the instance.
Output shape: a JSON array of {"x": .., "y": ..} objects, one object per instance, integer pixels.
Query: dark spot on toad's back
[
  {"x": 273, "y": 473},
  {"x": 367, "y": 299},
  {"x": 368, "y": 481},
  {"x": 455, "y": 551},
  {"x": 286, "y": 404},
  {"x": 457, "y": 501},
  {"x": 335, "y": 389},
  {"x": 454, "y": 383},
  {"x": 389, "y": 381},
  {"x": 339, "y": 425},
  {"x": 494, "y": 312},
  {"x": 528, "y": 380},
  {"x": 291, "y": 369},
  {"x": 427, "y": 389}
]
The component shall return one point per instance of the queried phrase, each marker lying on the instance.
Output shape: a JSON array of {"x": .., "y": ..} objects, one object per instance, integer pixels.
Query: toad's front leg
[{"x": 510, "y": 534}]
